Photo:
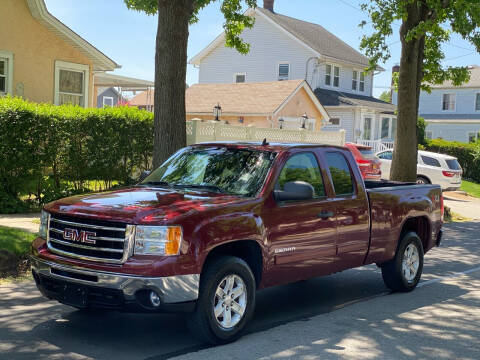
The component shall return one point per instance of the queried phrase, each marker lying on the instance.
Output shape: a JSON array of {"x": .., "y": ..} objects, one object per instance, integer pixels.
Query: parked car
[
  {"x": 432, "y": 168},
  {"x": 367, "y": 161},
  {"x": 218, "y": 221}
]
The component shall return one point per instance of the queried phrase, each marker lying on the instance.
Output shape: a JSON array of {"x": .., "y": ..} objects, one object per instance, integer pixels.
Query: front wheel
[
  {"x": 403, "y": 272},
  {"x": 226, "y": 301}
]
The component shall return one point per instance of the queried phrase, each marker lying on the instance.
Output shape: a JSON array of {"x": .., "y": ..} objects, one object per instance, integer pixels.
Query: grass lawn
[
  {"x": 471, "y": 188},
  {"x": 15, "y": 241}
]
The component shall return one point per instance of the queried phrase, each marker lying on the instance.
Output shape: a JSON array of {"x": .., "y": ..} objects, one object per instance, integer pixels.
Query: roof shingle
[{"x": 337, "y": 98}]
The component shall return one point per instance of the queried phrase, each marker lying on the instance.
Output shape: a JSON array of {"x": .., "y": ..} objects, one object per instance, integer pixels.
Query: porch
[{"x": 377, "y": 130}]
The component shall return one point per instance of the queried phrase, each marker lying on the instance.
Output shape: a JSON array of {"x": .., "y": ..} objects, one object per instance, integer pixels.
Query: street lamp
[
  {"x": 217, "y": 112},
  {"x": 281, "y": 122},
  {"x": 304, "y": 120}
]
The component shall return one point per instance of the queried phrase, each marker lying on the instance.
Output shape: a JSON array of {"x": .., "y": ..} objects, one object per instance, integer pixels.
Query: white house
[
  {"x": 452, "y": 112},
  {"x": 284, "y": 48}
]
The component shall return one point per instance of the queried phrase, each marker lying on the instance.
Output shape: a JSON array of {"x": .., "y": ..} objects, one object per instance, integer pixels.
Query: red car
[{"x": 368, "y": 163}]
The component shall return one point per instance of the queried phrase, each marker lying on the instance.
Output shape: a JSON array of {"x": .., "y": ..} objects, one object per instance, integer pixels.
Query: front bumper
[{"x": 85, "y": 288}]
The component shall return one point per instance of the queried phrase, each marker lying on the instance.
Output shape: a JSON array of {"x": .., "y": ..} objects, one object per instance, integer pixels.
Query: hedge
[
  {"x": 49, "y": 151},
  {"x": 468, "y": 155}
]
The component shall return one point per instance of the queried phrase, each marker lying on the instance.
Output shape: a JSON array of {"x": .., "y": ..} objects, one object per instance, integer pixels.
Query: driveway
[
  {"x": 350, "y": 315},
  {"x": 21, "y": 221},
  {"x": 466, "y": 206}
]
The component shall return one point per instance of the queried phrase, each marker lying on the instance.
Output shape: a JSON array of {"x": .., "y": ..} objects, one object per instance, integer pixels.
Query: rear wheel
[
  {"x": 422, "y": 180},
  {"x": 226, "y": 301},
  {"x": 403, "y": 272}
]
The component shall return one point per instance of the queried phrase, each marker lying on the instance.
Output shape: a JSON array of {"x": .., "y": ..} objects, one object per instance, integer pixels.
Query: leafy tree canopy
[
  {"x": 235, "y": 19},
  {"x": 435, "y": 20},
  {"x": 385, "y": 96}
]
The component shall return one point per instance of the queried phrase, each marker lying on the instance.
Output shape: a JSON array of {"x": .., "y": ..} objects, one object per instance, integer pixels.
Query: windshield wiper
[
  {"x": 200, "y": 186},
  {"x": 156, "y": 183}
]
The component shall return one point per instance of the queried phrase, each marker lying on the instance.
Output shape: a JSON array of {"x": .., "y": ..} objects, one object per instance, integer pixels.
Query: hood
[{"x": 140, "y": 205}]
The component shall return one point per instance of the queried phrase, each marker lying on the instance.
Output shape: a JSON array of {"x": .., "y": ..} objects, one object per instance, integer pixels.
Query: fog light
[{"x": 155, "y": 299}]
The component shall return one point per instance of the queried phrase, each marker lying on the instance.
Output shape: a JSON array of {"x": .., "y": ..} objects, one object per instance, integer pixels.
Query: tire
[
  {"x": 400, "y": 276},
  {"x": 216, "y": 329},
  {"x": 422, "y": 180}
]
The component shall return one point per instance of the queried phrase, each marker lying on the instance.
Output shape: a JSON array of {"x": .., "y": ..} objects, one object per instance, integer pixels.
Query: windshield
[{"x": 231, "y": 171}]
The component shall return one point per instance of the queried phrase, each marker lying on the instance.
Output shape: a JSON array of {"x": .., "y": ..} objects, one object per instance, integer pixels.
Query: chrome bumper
[{"x": 171, "y": 289}]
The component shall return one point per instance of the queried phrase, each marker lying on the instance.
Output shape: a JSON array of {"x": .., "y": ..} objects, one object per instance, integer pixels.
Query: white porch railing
[
  {"x": 377, "y": 145},
  {"x": 198, "y": 132}
]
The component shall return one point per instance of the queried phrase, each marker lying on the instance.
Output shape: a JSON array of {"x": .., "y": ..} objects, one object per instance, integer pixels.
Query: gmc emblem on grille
[{"x": 79, "y": 236}]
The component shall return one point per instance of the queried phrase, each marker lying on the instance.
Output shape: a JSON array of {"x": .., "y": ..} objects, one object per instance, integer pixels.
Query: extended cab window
[
  {"x": 427, "y": 160},
  {"x": 341, "y": 174},
  {"x": 302, "y": 167}
]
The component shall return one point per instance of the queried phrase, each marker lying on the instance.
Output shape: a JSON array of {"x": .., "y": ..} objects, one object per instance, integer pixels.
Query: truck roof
[{"x": 269, "y": 146}]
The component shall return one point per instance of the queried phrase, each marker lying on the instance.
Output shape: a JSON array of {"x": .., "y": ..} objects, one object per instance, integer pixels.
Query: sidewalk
[
  {"x": 465, "y": 206},
  {"x": 21, "y": 221}
]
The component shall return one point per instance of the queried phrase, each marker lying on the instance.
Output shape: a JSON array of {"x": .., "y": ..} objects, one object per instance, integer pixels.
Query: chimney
[
  {"x": 395, "y": 69},
  {"x": 268, "y": 4}
]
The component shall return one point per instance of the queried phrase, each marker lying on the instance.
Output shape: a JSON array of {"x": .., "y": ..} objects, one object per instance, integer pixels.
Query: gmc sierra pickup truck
[{"x": 218, "y": 221}]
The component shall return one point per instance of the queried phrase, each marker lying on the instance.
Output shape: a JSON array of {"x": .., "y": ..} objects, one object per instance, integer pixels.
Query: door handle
[{"x": 325, "y": 214}]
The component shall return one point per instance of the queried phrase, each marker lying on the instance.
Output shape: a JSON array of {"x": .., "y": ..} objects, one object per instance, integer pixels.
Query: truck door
[
  {"x": 351, "y": 210},
  {"x": 301, "y": 234}
]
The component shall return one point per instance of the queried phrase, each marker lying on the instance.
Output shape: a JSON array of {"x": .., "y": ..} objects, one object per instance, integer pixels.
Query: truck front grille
[{"x": 94, "y": 240}]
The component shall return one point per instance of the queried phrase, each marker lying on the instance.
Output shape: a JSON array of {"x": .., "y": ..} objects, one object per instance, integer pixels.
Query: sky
[{"x": 128, "y": 37}]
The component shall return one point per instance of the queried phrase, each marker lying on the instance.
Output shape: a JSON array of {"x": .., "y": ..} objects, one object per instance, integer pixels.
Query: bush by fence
[
  {"x": 468, "y": 155},
  {"x": 50, "y": 151}
]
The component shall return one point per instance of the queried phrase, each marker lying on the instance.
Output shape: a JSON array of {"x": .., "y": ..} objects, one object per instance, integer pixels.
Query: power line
[{"x": 458, "y": 57}]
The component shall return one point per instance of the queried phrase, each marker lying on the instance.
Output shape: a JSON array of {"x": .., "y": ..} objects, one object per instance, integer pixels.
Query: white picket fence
[
  {"x": 377, "y": 145},
  {"x": 198, "y": 132}
]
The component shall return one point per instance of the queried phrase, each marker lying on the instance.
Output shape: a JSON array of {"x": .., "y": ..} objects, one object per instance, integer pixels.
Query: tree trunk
[
  {"x": 170, "y": 77},
  {"x": 404, "y": 164}
]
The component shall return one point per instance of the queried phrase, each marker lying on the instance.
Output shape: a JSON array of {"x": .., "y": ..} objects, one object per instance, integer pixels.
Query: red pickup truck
[{"x": 218, "y": 221}]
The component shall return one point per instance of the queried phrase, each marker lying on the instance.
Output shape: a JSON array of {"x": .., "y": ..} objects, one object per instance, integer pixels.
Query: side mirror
[
  {"x": 295, "y": 190},
  {"x": 144, "y": 175}
]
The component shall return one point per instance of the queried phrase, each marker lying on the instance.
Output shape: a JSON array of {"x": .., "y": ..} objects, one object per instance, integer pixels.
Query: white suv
[{"x": 432, "y": 168}]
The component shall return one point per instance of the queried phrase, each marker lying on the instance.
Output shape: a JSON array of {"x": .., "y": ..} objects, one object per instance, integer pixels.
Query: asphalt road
[{"x": 32, "y": 327}]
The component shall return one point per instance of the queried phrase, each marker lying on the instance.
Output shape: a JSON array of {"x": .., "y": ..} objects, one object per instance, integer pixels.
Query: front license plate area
[{"x": 76, "y": 296}]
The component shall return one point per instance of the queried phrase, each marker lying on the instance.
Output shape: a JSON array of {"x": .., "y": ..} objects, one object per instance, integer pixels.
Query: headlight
[
  {"x": 42, "y": 231},
  {"x": 158, "y": 240}
]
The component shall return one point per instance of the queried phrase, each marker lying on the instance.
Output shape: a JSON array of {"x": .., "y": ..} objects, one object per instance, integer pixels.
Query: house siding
[
  {"x": 347, "y": 122},
  {"x": 452, "y": 131},
  {"x": 268, "y": 47},
  {"x": 464, "y": 101},
  {"x": 35, "y": 50}
]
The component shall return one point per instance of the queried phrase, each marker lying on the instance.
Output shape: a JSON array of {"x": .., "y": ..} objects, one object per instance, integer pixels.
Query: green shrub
[
  {"x": 44, "y": 147},
  {"x": 468, "y": 155}
]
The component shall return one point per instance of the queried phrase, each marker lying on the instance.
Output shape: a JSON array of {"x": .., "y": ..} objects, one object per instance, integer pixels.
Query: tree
[
  {"x": 425, "y": 25},
  {"x": 386, "y": 96},
  {"x": 174, "y": 17}
]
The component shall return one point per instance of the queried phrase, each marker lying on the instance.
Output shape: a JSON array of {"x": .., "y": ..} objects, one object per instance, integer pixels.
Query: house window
[
  {"x": 367, "y": 128},
  {"x": 429, "y": 134},
  {"x": 6, "y": 72},
  {"x": 336, "y": 76},
  {"x": 335, "y": 121},
  {"x": 240, "y": 77},
  {"x": 362, "y": 82},
  {"x": 355, "y": 80},
  {"x": 385, "y": 131},
  {"x": 328, "y": 74},
  {"x": 472, "y": 137},
  {"x": 108, "y": 101},
  {"x": 71, "y": 84},
  {"x": 448, "y": 102},
  {"x": 283, "y": 71},
  {"x": 477, "y": 102}
]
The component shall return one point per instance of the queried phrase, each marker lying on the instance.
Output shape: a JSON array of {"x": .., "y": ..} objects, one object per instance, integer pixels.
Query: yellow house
[
  {"x": 42, "y": 60},
  {"x": 276, "y": 104}
]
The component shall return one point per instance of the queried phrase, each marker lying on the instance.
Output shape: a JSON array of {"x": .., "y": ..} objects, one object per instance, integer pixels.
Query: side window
[
  {"x": 341, "y": 174},
  {"x": 427, "y": 160},
  {"x": 387, "y": 155},
  {"x": 302, "y": 167}
]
